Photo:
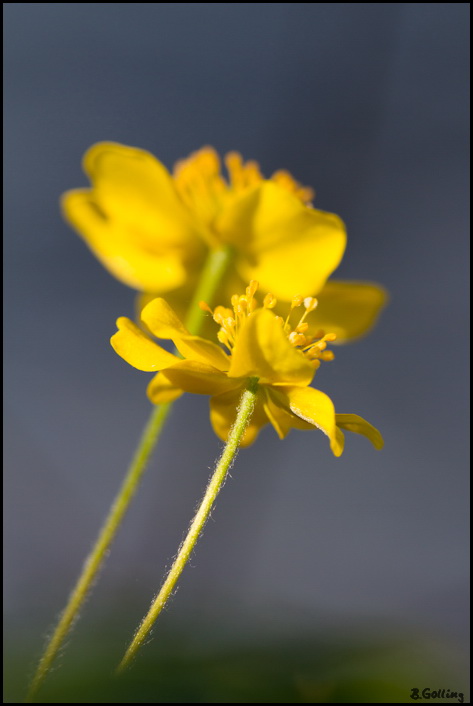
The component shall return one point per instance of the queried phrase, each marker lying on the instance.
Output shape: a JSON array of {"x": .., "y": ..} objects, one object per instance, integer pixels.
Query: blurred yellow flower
[
  {"x": 282, "y": 356},
  {"x": 152, "y": 231}
]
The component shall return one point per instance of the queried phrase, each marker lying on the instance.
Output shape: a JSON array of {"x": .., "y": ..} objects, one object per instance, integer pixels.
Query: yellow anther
[
  {"x": 306, "y": 194},
  {"x": 252, "y": 173},
  {"x": 312, "y": 353},
  {"x": 297, "y": 339},
  {"x": 269, "y": 301},
  {"x": 252, "y": 288},
  {"x": 222, "y": 311},
  {"x": 297, "y": 301},
  {"x": 310, "y": 304},
  {"x": 230, "y": 322},
  {"x": 287, "y": 182},
  {"x": 209, "y": 161},
  {"x": 234, "y": 164},
  {"x": 283, "y": 178}
]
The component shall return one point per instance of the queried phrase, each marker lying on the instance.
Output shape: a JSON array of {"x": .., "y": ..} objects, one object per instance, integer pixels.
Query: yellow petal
[
  {"x": 162, "y": 320},
  {"x": 199, "y": 378},
  {"x": 160, "y": 390},
  {"x": 358, "y": 425},
  {"x": 179, "y": 299},
  {"x": 262, "y": 350},
  {"x": 132, "y": 186},
  {"x": 223, "y": 412},
  {"x": 349, "y": 309},
  {"x": 133, "y": 218},
  {"x": 137, "y": 349},
  {"x": 113, "y": 243},
  {"x": 313, "y": 407},
  {"x": 288, "y": 247},
  {"x": 280, "y": 417}
]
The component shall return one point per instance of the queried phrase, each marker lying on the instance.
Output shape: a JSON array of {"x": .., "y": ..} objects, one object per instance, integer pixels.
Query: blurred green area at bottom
[{"x": 181, "y": 669}]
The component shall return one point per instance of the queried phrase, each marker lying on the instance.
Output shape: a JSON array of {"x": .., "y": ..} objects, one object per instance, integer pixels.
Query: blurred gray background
[{"x": 368, "y": 103}]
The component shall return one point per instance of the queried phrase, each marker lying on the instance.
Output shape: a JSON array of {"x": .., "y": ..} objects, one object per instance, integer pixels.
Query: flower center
[
  {"x": 204, "y": 190},
  {"x": 231, "y": 320}
]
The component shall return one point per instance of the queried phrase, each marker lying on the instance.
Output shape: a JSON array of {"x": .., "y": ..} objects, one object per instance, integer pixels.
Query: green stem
[
  {"x": 245, "y": 411},
  {"x": 212, "y": 273},
  {"x": 106, "y": 535}
]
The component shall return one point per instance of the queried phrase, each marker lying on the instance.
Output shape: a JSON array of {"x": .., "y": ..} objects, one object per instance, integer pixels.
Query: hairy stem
[
  {"x": 245, "y": 411},
  {"x": 212, "y": 274}
]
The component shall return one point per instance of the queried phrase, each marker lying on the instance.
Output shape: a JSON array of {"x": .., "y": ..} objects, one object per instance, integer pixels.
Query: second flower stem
[
  {"x": 235, "y": 436},
  {"x": 106, "y": 535},
  {"x": 212, "y": 273}
]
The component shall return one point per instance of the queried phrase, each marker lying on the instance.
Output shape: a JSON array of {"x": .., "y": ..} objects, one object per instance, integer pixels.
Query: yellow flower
[
  {"x": 259, "y": 344},
  {"x": 152, "y": 231}
]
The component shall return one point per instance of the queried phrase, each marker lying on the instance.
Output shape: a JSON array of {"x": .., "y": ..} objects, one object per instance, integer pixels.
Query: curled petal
[
  {"x": 162, "y": 320},
  {"x": 119, "y": 247},
  {"x": 262, "y": 350},
  {"x": 280, "y": 417},
  {"x": 358, "y": 425},
  {"x": 199, "y": 378},
  {"x": 133, "y": 219},
  {"x": 131, "y": 185},
  {"x": 288, "y": 247},
  {"x": 137, "y": 349},
  {"x": 161, "y": 390},
  {"x": 313, "y": 407}
]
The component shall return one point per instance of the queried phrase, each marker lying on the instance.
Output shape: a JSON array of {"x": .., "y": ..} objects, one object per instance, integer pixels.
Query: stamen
[
  {"x": 295, "y": 303},
  {"x": 297, "y": 339},
  {"x": 252, "y": 173},
  {"x": 204, "y": 190},
  {"x": 234, "y": 165},
  {"x": 252, "y": 288},
  {"x": 270, "y": 301},
  {"x": 243, "y": 305},
  {"x": 310, "y": 304},
  {"x": 250, "y": 293},
  {"x": 205, "y": 307},
  {"x": 287, "y": 182}
]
